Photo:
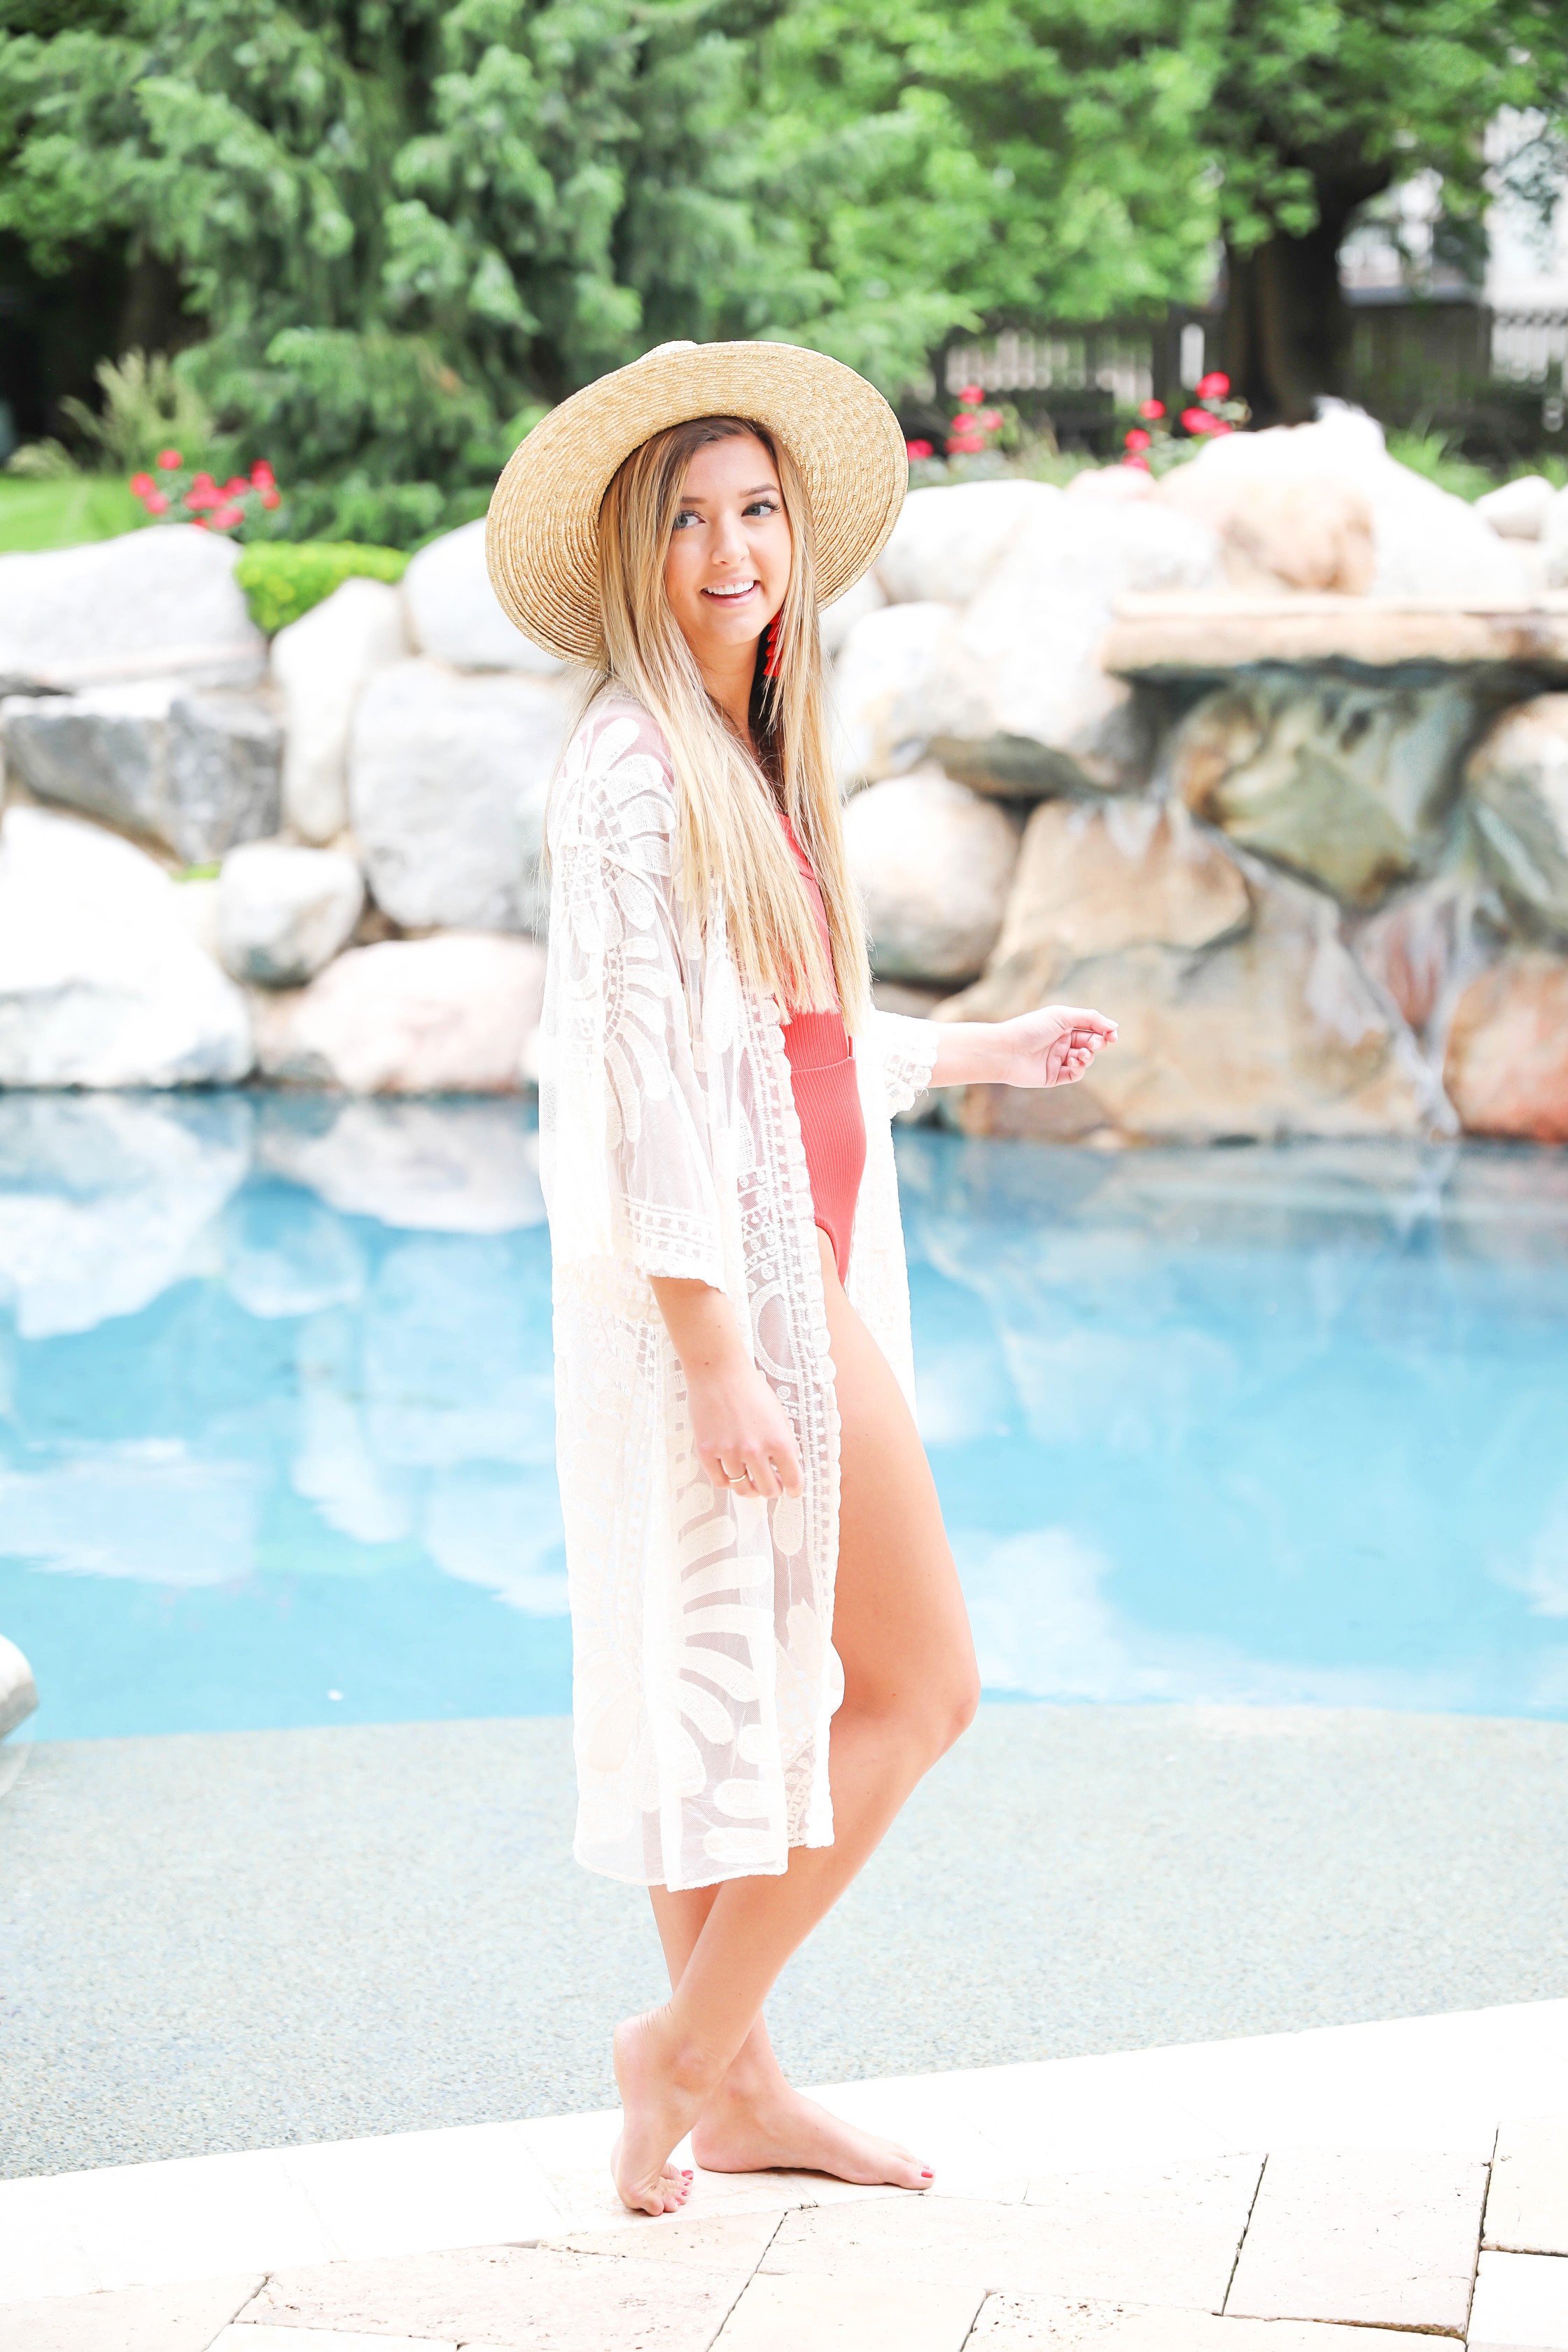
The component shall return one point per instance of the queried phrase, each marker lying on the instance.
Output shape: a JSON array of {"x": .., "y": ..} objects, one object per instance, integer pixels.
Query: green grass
[{"x": 67, "y": 513}]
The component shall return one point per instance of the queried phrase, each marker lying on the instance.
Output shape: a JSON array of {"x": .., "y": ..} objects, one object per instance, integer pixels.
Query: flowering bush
[
  {"x": 972, "y": 432},
  {"x": 1211, "y": 413},
  {"x": 177, "y": 493}
]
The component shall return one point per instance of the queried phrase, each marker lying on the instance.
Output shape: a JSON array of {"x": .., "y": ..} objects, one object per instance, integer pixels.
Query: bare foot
[
  {"x": 655, "y": 2112},
  {"x": 786, "y": 2133}
]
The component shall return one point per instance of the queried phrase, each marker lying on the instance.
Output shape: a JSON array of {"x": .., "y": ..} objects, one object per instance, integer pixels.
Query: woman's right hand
[{"x": 742, "y": 1433}]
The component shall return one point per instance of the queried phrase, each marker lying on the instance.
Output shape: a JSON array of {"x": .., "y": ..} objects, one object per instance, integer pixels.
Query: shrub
[{"x": 281, "y": 581}]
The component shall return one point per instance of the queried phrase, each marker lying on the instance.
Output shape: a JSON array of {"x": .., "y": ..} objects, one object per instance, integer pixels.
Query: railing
[{"x": 1443, "y": 361}]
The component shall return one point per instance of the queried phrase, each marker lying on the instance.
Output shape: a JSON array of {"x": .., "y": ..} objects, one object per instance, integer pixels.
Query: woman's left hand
[{"x": 1047, "y": 1048}]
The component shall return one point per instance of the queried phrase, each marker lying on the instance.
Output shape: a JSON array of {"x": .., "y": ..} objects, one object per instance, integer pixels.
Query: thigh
[{"x": 899, "y": 1618}]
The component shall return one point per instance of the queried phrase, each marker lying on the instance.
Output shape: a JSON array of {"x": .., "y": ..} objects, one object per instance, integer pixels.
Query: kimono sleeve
[
  {"x": 627, "y": 1154},
  {"x": 907, "y": 1048}
]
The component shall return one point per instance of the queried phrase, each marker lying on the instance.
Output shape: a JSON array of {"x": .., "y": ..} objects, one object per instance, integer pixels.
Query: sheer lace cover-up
[{"x": 704, "y": 1673}]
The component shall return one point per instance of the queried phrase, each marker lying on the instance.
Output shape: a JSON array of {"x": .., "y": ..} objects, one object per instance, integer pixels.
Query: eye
[
  {"x": 687, "y": 514},
  {"x": 763, "y": 507}
]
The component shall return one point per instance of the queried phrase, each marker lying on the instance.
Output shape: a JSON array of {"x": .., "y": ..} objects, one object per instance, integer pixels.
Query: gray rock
[
  {"x": 947, "y": 541},
  {"x": 194, "y": 769},
  {"x": 18, "y": 1691},
  {"x": 451, "y": 1014},
  {"x": 100, "y": 982},
  {"x": 1518, "y": 785},
  {"x": 320, "y": 664},
  {"x": 283, "y": 911},
  {"x": 453, "y": 614},
  {"x": 932, "y": 861},
  {"x": 1348, "y": 783},
  {"x": 448, "y": 777},
  {"x": 154, "y": 603},
  {"x": 1517, "y": 510}
]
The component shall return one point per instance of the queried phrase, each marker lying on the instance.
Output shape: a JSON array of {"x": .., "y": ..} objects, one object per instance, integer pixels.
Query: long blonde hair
[{"x": 731, "y": 845}]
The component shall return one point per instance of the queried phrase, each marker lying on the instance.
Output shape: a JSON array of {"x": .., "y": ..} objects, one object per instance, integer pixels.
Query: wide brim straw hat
[{"x": 542, "y": 541}]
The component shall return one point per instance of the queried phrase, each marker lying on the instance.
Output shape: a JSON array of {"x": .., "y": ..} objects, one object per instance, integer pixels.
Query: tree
[
  {"x": 1317, "y": 106},
  {"x": 399, "y": 226}
]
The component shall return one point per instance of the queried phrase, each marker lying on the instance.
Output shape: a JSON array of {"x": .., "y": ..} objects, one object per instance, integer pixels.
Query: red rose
[
  {"x": 224, "y": 517},
  {"x": 1137, "y": 439},
  {"x": 1136, "y": 465},
  {"x": 262, "y": 475},
  {"x": 1197, "y": 420},
  {"x": 155, "y": 502},
  {"x": 973, "y": 394},
  {"x": 141, "y": 484},
  {"x": 1214, "y": 386},
  {"x": 269, "y": 496},
  {"x": 918, "y": 449},
  {"x": 169, "y": 459},
  {"x": 1151, "y": 408}
]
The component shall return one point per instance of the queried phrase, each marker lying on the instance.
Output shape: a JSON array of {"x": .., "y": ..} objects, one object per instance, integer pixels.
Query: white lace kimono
[{"x": 704, "y": 1673}]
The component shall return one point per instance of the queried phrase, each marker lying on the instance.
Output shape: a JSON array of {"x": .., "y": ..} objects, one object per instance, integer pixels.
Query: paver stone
[
  {"x": 1383, "y": 2238},
  {"x": 1521, "y": 2305},
  {"x": 323, "y": 2340},
  {"x": 1019, "y": 2322},
  {"x": 837, "y": 2315},
  {"x": 133, "y": 2319},
  {"x": 1527, "y": 2204}
]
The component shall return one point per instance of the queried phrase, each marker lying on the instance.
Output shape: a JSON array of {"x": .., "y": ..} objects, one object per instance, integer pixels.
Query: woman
[{"x": 770, "y": 1643}]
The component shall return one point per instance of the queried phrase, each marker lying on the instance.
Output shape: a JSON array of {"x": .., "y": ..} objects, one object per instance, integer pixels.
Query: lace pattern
[{"x": 704, "y": 1672}]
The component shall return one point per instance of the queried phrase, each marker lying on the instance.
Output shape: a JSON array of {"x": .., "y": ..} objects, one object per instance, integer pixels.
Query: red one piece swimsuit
[{"x": 826, "y": 1095}]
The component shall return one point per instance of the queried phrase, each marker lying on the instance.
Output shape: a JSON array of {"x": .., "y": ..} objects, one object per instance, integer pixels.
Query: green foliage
[
  {"x": 147, "y": 407},
  {"x": 1436, "y": 455},
  {"x": 282, "y": 581},
  {"x": 64, "y": 512}
]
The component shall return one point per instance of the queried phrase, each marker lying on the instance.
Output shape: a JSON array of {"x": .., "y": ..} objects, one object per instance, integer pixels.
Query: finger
[
  {"x": 1081, "y": 1016},
  {"x": 791, "y": 1477},
  {"x": 760, "y": 1478}
]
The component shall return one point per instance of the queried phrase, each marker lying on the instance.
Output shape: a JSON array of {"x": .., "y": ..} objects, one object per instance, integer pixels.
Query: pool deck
[
  {"x": 1323, "y": 2191},
  {"x": 249, "y": 1940}
]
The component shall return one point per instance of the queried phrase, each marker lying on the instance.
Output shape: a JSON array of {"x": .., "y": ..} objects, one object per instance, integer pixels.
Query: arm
[
  {"x": 1047, "y": 1048},
  {"x": 742, "y": 1433}
]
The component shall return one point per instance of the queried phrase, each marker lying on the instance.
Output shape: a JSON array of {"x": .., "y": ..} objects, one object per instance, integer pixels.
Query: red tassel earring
[{"x": 773, "y": 653}]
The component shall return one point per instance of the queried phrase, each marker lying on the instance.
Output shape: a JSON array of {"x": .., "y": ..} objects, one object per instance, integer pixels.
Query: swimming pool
[{"x": 1254, "y": 1424}]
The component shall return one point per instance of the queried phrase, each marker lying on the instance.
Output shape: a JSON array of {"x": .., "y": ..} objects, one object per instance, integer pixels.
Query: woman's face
[{"x": 727, "y": 563}]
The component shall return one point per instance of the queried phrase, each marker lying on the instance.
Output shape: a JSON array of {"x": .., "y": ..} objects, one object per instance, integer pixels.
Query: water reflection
[{"x": 276, "y": 1415}]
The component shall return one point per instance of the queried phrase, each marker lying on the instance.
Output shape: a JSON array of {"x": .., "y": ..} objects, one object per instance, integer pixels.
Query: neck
[{"x": 730, "y": 685}]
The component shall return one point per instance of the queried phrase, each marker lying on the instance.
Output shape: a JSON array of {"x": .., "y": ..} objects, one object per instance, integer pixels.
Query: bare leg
[{"x": 910, "y": 1687}]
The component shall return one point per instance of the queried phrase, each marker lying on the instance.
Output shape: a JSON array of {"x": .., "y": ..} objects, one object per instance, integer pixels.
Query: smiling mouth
[{"x": 731, "y": 595}]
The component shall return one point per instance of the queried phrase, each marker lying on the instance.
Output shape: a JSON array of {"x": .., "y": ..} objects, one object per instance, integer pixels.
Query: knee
[{"x": 959, "y": 1705}]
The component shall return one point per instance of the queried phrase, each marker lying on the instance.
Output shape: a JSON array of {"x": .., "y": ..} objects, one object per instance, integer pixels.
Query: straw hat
[{"x": 542, "y": 539}]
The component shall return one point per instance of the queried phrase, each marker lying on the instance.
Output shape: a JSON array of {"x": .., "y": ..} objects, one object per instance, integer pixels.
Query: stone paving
[{"x": 1326, "y": 2191}]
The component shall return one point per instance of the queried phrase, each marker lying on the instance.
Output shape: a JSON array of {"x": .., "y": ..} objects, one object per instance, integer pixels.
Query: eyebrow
[{"x": 687, "y": 498}]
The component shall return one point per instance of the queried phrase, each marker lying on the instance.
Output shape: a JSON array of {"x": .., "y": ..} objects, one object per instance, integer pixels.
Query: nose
[{"x": 729, "y": 544}]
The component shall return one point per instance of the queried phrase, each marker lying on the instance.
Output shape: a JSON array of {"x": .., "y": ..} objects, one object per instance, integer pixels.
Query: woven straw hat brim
[{"x": 542, "y": 541}]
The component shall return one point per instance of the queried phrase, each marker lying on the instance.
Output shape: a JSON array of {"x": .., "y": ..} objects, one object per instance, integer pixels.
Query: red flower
[
  {"x": 235, "y": 487},
  {"x": 918, "y": 449},
  {"x": 224, "y": 517},
  {"x": 262, "y": 475},
  {"x": 1197, "y": 420},
  {"x": 1220, "y": 424},
  {"x": 201, "y": 496},
  {"x": 973, "y": 394},
  {"x": 965, "y": 445},
  {"x": 141, "y": 484},
  {"x": 1137, "y": 439},
  {"x": 169, "y": 459},
  {"x": 991, "y": 418},
  {"x": 1151, "y": 408},
  {"x": 155, "y": 502},
  {"x": 269, "y": 496},
  {"x": 1213, "y": 386},
  {"x": 1136, "y": 465},
  {"x": 200, "y": 523}
]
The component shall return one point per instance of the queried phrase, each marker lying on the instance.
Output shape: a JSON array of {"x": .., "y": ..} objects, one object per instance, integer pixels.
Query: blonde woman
[{"x": 770, "y": 1641}]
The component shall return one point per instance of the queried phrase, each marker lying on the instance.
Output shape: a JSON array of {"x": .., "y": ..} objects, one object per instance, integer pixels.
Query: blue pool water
[{"x": 1250, "y": 1424}]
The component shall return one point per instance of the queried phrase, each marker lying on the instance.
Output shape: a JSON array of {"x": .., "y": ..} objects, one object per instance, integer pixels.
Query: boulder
[
  {"x": 932, "y": 861},
  {"x": 1010, "y": 695},
  {"x": 454, "y": 1168},
  {"x": 1241, "y": 1011},
  {"x": 448, "y": 777},
  {"x": 195, "y": 770},
  {"x": 1506, "y": 1069},
  {"x": 837, "y": 619},
  {"x": 154, "y": 603},
  {"x": 107, "y": 1199},
  {"x": 1174, "y": 639},
  {"x": 1424, "y": 944},
  {"x": 18, "y": 1691},
  {"x": 1316, "y": 532},
  {"x": 1348, "y": 783},
  {"x": 101, "y": 983},
  {"x": 948, "y": 540},
  {"x": 1554, "y": 540},
  {"x": 1123, "y": 485},
  {"x": 283, "y": 911},
  {"x": 1426, "y": 542},
  {"x": 453, "y": 614},
  {"x": 446, "y": 1016},
  {"x": 1516, "y": 781},
  {"x": 1517, "y": 510},
  {"x": 320, "y": 664}
]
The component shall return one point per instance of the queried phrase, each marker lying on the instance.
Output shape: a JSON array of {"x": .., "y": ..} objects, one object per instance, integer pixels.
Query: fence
[{"x": 1454, "y": 363}]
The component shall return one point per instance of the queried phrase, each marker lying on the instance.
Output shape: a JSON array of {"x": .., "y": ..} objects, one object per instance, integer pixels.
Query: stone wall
[{"x": 1268, "y": 759}]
